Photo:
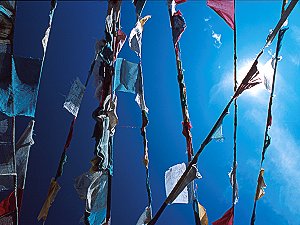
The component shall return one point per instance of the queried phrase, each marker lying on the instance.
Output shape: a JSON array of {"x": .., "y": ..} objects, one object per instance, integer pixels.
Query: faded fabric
[
  {"x": 126, "y": 76},
  {"x": 225, "y": 9},
  {"x": 74, "y": 98},
  {"x": 218, "y": 135},
  {"x": 52, "y": 192},
  {"x": 7, "y": 17},
  {"x": 139, "y": 6},
  {"x": 19, "y": 82},
  {"x": 200, "y": 213},
  {"x": 22, "y": 154},
  {"x": 226, "y": 219},
  {"x": 135, "y": 37},
  {"x": 251, "y": 79},
  {"x": 6, "y": 146},
  {"x": 145, "y": 217},
  {"x": 178, "y": 27},
  {"x": 93, "y": 188},
  {"x": 181, "y": 195},
  {"x": 260, "y": 192}
]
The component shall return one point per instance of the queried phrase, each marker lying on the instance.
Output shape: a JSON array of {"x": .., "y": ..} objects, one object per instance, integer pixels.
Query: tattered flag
[
  {"x": 52, "y": 192},
  {"x": 74, "y": 98},
  {"x": 93, "y": 187},
  {"x": 200, "y": 213},
  {"x": 178, "y": 27},
  {"x": 128, "y": 78},
  {"x": 251, "y": 79},
  {"x": 261, "y": 185},
  {"x": 135, "y": 37},
  {"x": 225, "y": 9},
  {"x": 19, "y": 83},
  {"x": 172, "y": 175}
]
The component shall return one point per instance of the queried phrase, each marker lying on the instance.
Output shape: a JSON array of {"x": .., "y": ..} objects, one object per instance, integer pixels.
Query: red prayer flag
[
  {"x": 227, "y": 218},
  {"x": 225, "y": 9},
  {"x": 8, "y": 205},
  {"x": 180, "y": 1}
]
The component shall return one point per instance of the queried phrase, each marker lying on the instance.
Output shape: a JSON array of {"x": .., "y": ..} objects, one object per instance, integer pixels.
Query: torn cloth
[
  {"x": 135, "y": 38},
  {"x": 200, "y": 213},
  {"x": 93, "y": 188},
  {"x": 6, "y": 147},
  {"x": 172, "y": 175},
  {"x": 19, "y": 83},
  {"x": 74, "y": 98},
  {"x": 178, "y": 27},
  {"x": 52, "y": 192},
  {"x": 128, "y": 78},
  {"x": 251, "y": 79}
]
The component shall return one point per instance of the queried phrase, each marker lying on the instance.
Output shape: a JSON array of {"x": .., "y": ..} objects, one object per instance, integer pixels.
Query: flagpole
[
  {"x": 252, "y": 222},
  {"x": 234, "y": 165}
]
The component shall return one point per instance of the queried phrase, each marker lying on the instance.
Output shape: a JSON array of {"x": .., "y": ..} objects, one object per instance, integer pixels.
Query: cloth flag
[
  {"x": 52, "y": 192},
  {"x": 251, "y": 79},
  {"x": 135, "y": 37},
  {"x": 128, "y": 78},
  {"x": 73, "y": 100},
  {"x": 200, "y": 213},
  {"x": 172, "y": 175},
  {"x": 7, "y": 15},
  {"x": 260, "y": 192},
  {"x": 6, "y": 147},
  {"x": 218, "y": 135},
  {"x": 178, "y": 27},
  {"x": 8, "y": 205},
  {"x": 227, "y": 218},
  {"x": 93, "y": 187},
  {"x": 225, "y": 9},
  {"x": 145, "y": 217},
  {"x": 19, "y": 82}
]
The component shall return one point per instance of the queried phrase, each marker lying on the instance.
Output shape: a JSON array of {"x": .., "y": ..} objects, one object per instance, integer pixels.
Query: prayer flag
[
  {"x": 227, "y": 218},
  {"x": 225, "y": 9}
]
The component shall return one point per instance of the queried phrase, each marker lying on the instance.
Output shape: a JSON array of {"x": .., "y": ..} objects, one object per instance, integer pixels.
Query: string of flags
[{"x": 19, "y": 86}]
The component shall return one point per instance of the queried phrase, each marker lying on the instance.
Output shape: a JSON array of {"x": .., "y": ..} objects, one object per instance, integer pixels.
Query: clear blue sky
[{"x": 208, "y": 76}]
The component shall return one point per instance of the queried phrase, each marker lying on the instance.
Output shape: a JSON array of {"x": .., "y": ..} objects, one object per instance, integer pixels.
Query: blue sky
[{"x": 208, "y": 76}]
